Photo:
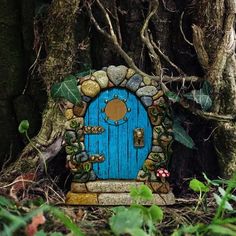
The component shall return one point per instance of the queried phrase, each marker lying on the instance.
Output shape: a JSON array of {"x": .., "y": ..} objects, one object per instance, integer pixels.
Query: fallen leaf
[
  {"x": 20, "y": 183},
  {"x": 32, "y": 228},
  {"x": 80, "y": 215}
]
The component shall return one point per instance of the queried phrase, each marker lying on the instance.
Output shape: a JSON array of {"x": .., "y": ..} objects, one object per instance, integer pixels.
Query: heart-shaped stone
[{"x": 117, "y": 74}]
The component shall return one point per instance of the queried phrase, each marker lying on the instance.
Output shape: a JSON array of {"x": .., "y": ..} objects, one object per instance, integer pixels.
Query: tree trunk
[
  {"x": 60, "y": 46},
  {"x": 215, "y": 19},
  {"x": 11, "y": 73}
]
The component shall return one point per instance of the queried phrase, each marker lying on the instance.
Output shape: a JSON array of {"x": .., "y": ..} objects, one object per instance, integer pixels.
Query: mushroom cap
[{"x": 162, "y": 173}]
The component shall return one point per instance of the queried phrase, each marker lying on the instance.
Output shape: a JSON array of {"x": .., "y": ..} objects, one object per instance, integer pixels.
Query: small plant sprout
[
  {"x": 23, "y": 129},
  {"x": 141, "y": 193},
  {"x": 136, "y": 220},
  {"x": 199, "y": 187},
  {"x": 223, "y": 222}
]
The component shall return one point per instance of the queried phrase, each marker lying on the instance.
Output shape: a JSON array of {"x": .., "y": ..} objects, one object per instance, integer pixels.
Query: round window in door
[{"x": 127, "y": 137}]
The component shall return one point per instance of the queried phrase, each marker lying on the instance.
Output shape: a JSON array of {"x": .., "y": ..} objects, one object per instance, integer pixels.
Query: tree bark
[
  {"x": 61, "y": 46},
  {"x": 215, "y": 20},
  {"x": 11, "y": 74}
]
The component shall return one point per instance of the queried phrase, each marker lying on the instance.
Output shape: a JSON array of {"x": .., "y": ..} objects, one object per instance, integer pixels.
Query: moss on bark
[{"x": 61, "y": 48}]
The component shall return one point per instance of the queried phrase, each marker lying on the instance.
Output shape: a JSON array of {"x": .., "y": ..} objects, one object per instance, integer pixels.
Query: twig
[
  {"x": 107, "y": 17},
  {"x": 58, "y": 195},
  {"x": 116, "y": 18},
  {"x": 206, "y": 139},
  {"x": 215, "y": 116},
  {"x": 17, "y": 181},
  {"x": 32, "y": 67},
  {"x": 206, "y": 115},
  {"x": 129, "y": 60},
  {"x": 183, "y": 200},
  {"x": 146, "y": 38},
  {"x": 185, "y": 103},
  {"x": 118, "y": 26},
  {"x": 181, "y": 29},
  {"x": 167, "y": 58}
]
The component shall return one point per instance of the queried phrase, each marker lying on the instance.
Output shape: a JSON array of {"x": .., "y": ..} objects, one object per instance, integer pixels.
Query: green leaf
[
  {"x": 137, "y": 232},
  {"x": 67, "y": 89},
  {"x": 173, "y": 96},
  {"x": 212, "y": 182},
  {"x": 128, "y": 219},
  {"x": 201, "y": 96},
  {"x": 56, "y": 234},
  {"x": 143, "y": 192},
  {"x": 23, "y": 126},
  {"x": 221, "y": 191},
  {"x": 221, "y": 230},
  {"x": 225, "y": 221},
  {"x": 181, "y": 135},
  {"x": 232, "y": 197},
  {"x": 206, "y": 87},
  {"x": 191, "y": 229},
  {"x": 198, "y": 186},
  {"x": 145, "y": 213},
  {"x": 156, "y": 213},
  {"x": 226, "y": 206},
  {"x": 66, "y": 221},
  {"x": 118, "y": 209},
  {"x": 41, "y": 233},
  {"x": 4, "y": 202}
]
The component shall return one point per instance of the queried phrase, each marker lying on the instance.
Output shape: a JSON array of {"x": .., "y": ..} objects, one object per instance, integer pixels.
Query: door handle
[{"x": 139, "y": 137}]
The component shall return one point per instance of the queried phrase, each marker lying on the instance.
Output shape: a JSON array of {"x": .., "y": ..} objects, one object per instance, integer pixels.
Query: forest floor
[{"x": 94, "y": 221}]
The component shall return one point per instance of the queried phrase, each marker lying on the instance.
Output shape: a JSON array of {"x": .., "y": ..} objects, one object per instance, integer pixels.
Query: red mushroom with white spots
[{"x": 162, "y": 174}]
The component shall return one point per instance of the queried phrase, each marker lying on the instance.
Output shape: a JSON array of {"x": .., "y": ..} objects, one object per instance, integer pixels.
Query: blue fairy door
[{"x": 127, "y": 137}]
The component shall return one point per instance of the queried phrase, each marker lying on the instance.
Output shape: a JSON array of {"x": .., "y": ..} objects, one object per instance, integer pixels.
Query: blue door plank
[
  {"x": 144, "y": 123},
  {"x": 114, "y": 147},
  {"x": 103, "y": 168},
  {"x": 123, "y": 143},
  {"x": 132, "y": 124},
  {"x": 91, "y": 119}
]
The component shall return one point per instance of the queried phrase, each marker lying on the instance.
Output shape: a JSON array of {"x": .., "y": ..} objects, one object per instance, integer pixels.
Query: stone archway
[
  {"x": 150, "y": 94},
  {"x": 81, "y": 164}
]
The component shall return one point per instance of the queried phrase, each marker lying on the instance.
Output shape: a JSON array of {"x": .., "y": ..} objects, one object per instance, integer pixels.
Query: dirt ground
[{"x": 94, "y": 220}]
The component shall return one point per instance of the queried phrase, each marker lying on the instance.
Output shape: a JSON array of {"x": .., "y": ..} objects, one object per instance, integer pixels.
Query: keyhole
[{"x": 139, "y": 141}]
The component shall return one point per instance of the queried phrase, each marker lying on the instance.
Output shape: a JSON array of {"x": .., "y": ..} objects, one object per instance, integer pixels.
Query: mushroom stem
[{"x": 163, "y": 179}]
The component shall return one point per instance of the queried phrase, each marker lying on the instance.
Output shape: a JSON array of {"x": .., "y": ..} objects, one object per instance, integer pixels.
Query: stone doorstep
[
  {"x": 103, "y": 186},
  {"x": 113, "y": 186},
  {"x": 115, "y": 199}
]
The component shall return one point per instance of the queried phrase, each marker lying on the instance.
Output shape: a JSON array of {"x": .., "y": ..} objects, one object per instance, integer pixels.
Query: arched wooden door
[{"x": 119, "y": 112}]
